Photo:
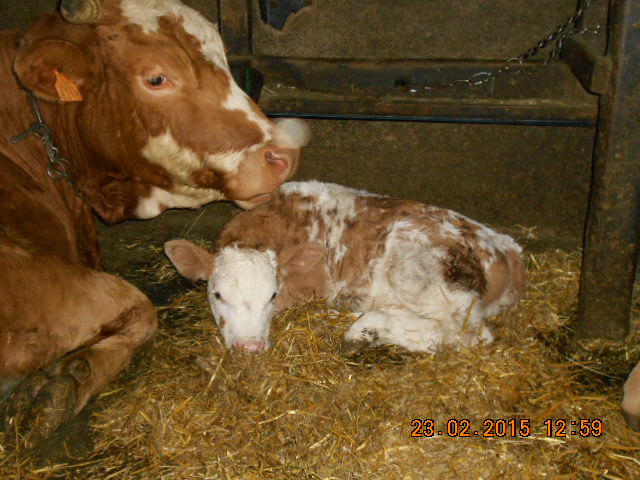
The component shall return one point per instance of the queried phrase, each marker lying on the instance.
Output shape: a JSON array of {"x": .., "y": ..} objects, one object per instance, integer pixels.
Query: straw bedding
[{"x": 188, "y": 409}]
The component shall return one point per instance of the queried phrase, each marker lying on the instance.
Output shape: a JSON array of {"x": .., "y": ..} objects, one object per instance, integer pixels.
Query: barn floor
[{"x": 187, "y": 409}]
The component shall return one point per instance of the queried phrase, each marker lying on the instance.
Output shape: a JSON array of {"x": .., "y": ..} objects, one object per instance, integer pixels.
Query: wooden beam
[{"x": 612, "y": 236}]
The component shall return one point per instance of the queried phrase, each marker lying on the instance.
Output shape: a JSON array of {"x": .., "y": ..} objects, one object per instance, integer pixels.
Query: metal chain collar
[
  {"x": 515, "y": 65},
  {"x": 58, "y": 168}
]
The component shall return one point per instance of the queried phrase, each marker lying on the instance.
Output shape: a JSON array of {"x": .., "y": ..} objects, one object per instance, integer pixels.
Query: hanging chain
[
  {"x": 58, "y": 168},
  {"x": 516, "y": 65}
]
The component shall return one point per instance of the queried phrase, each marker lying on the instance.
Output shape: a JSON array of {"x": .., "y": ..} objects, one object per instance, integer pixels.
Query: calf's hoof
[
  {"x": 358, "y": 338},
  {"x": 351, "y": 347}
]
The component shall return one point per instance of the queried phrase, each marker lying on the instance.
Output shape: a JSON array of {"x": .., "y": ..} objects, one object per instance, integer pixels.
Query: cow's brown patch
[{"x": 206, "y": 178}]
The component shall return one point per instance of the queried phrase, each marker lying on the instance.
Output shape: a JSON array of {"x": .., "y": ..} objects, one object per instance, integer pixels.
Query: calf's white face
[
  {"x": 241, "y": 290},
  {"x": 242, "y": 285}
]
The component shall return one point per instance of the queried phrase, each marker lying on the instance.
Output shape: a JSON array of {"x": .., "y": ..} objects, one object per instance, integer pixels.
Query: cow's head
[
  {"x": 245, "y": 285},
  {"x": 160, "y": 108}
]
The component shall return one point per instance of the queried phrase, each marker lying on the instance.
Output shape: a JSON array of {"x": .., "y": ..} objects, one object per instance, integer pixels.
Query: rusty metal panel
[
  {"x": 385, "y": 90},
  {"x": 613, "y": 226},
  {"x": 410, "y": 29}
]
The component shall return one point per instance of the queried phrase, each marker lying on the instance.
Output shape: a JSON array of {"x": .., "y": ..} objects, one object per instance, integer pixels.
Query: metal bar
[
  {"x": 612, "y": 233},
  {"x": 360, "y": 89},
  {"x": 235, "y": 26},
  {"x": 554, "y": 122}
]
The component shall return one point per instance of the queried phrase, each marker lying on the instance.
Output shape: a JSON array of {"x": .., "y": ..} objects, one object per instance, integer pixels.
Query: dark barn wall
[
  {"x": 417, "y": 29},
  {"x": 500, "y": 174}
]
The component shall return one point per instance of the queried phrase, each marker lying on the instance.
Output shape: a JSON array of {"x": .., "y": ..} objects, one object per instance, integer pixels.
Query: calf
[{"x": 423, "y": 276}]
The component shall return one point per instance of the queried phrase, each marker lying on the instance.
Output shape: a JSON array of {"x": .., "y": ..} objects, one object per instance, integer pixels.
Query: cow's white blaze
[
  {"x": 239, "y": 101},
  {"x": 182, "y": 196},
  {"x": 241, "y": 291},
  {"x": 178, "y": 161},
  {"x": 146, "y": 13},
  {"x": 228, "y": 162}
]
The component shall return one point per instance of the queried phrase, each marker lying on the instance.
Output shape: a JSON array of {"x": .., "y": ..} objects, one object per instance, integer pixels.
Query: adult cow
[{"x": 154, "y": 120}]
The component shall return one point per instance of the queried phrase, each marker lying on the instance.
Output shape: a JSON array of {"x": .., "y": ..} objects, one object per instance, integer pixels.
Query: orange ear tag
[{"x": 67, "y": 90}]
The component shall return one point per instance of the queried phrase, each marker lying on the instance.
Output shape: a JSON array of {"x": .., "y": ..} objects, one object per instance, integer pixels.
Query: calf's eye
[
  {"x": 274, "y": 296},
  {"x": 217, "y": 295}
]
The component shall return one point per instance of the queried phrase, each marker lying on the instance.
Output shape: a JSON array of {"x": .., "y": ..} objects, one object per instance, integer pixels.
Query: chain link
[
  {"x": 516, "y": 65},
  {"x": 58, "y": 168}
]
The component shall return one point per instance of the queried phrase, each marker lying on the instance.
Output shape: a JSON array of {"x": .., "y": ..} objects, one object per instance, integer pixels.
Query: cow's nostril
[{"x": 276, "y": 160}]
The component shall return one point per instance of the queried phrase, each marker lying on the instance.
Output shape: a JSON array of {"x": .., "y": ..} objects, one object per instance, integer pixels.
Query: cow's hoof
[
  {"x": 7, "y": 385},
  {"x": 54, "y": 405},
  {"x": 633, "y": 420},
  {"x": 79, "y": 368},
  {"x": 22, "y": 397}
]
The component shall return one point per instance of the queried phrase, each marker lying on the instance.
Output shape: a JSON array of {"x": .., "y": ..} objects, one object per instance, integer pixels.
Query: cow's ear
[
  {"x": 191, "y": 261},
  {"x": 300, "y": 258},
  {"x": 37, "y": 63}
]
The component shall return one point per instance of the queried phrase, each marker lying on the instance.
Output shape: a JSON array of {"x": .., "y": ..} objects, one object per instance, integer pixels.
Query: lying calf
[{"x": 423, "y": 276}]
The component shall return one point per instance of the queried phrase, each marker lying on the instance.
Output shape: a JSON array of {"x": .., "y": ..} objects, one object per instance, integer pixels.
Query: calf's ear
[
  {"x": 191, "y": 261},
  {"x": 42, "y": 64},
  {"x": 300, "y": 258}
]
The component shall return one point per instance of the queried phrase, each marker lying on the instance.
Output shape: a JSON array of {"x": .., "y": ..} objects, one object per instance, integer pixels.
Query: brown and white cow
[
  {"x": 423, "y": 276},
  {"x": 156, "y": 122}
]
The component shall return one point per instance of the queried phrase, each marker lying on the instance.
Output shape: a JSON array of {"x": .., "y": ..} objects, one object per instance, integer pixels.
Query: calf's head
[
  {"x": 244, "y": 285},
  {"x": 159, "y": 105}
]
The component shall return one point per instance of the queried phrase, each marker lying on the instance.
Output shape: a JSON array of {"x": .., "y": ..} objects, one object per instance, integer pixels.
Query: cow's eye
[
  {"x": 217, "y": 295},
  {"x": 156, "y": 81},
  {"x": 274, "y": 296}
]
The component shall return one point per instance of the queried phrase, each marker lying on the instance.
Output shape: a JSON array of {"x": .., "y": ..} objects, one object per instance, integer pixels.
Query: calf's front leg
[{"x": 398, "y": 325}]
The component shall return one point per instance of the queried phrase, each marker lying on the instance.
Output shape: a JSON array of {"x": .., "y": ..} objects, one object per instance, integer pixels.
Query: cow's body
[
  {"x": 422, "y": 276},
  {"x": 161, "y": 124}
]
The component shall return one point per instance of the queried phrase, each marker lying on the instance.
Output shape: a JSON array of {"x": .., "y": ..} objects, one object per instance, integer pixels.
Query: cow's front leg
[{"x": 100, "y": 321}]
